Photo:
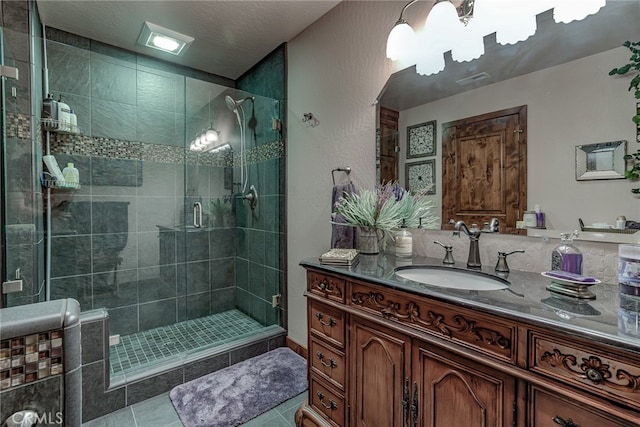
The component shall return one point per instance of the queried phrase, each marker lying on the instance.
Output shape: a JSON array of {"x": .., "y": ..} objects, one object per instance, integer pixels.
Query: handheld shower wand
[{"x": 235, "y": 105}]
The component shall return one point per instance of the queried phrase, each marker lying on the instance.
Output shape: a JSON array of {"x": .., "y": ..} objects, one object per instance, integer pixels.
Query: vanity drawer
[
  {"x": 547, "y": 408},
  {"x": 327, "y": 401},
  {"x": 598, "y": 371},
  {"x": 466, "y": 327},
  {"x": 327, "y": 363},
  {"x": 326, "y": 322},
  {"x": 326, "y": 286}
]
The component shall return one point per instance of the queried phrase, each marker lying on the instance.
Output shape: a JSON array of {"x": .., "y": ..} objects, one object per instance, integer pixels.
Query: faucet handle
[
  {"x": 448, "y": 257},
  {"x": 501, "y": 265}
]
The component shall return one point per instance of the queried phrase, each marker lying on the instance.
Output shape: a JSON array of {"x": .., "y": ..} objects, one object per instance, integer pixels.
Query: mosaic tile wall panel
[
  {"x": 18, "y": 126},
  {"x": 30, "y": 358},
  {"x": 82, "y": 145}
]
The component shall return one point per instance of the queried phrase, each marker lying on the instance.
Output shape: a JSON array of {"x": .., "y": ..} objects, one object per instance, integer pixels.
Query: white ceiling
[{"x": 230, "y": 36}]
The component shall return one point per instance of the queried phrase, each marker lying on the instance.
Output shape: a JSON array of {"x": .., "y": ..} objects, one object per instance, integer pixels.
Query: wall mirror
[
  {"x": 604, "y": 160},
  {"x": 561, "y": 75}
]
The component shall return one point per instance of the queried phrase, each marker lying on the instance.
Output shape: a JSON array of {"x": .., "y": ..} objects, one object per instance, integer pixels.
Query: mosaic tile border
[
  {"x": 18, "y": 125},
  {"x": 82, "y": 145},
  {"x": 29, "y": 358}
]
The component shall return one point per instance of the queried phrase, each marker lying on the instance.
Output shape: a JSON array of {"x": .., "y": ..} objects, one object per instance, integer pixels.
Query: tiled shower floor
[{"x": 143, "y": 348}]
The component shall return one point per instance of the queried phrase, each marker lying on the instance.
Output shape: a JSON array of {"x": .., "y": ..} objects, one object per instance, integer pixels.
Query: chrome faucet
[{"x": 474, "y": 235}]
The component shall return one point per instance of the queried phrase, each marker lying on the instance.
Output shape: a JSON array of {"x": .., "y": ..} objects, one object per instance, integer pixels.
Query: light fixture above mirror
[{"x": 462, "y": 30}]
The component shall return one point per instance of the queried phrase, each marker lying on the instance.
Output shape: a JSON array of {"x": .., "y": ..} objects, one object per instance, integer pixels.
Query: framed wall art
[
  {"x": 420, "y": 176},
  {"x": 421, "y": 140}
]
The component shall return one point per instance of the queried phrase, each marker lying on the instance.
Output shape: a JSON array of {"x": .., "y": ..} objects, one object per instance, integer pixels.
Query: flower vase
[{"x": 369, "y": 240}]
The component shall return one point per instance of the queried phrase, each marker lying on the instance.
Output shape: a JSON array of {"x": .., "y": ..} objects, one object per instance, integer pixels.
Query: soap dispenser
[
  {"x": 404, "y": 242},
  {"x": 71, "y": 174},
  {"x": 567, "y": 257}
]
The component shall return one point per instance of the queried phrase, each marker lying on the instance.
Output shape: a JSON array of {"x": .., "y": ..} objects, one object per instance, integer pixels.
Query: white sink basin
[{"x": 452, "y": 278}]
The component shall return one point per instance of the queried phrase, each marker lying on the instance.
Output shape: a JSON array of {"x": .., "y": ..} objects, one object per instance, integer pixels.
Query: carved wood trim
[
  {"x": 592, "y": 369},
  {"x": 327, "y": 286},
  {"x": 411, "y": 314}
]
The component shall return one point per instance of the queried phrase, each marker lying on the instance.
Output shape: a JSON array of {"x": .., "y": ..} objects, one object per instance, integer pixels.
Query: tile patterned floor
[
  {"x": 159, "y": 412},
  {"x": 147, "y": 347}
]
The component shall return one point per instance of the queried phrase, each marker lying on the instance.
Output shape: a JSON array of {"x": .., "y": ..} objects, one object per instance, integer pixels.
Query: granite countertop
[{"x": 526, "y": 299}]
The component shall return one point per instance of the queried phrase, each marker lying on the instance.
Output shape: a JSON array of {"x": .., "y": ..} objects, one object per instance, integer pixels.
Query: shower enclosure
[{"x": 162, "y": 230}]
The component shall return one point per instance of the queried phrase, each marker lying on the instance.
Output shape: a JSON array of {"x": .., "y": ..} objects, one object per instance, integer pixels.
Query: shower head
[{"x": 233, "y": 104}]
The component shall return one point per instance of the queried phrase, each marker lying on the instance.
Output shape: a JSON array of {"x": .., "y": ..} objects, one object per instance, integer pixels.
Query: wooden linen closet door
[
  {"x": 380, "y": 365},
  {"x": 484, "y": 169}
]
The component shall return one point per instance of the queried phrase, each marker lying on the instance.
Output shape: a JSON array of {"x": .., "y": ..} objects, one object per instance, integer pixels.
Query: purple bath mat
[{"x": 234, "y": 395}]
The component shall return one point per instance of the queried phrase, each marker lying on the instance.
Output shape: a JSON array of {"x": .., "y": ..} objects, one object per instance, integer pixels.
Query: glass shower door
[
  {"x": 21, "y": 221},
  {"x": 232, "y": 272}
]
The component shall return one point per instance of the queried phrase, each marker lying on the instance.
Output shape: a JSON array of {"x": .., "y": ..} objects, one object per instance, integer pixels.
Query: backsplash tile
[{"x": 30, "y": 358}]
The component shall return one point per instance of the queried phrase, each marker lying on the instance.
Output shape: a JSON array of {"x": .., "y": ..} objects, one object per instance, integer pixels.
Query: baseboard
[{"x": 302, "y": 351}]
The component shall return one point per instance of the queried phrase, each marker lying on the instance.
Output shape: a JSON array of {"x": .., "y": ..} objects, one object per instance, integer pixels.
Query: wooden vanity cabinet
[
  {"x": 385, "y": 358},
  {"x": 399, "y": 381}
]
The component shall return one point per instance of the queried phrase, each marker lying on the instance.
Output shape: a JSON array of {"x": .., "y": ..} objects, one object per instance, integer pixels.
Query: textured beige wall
[{"x": 337, "y": 68}]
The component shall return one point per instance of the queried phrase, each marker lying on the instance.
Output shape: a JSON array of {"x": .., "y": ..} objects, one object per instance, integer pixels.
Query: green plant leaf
[
  {"x": 624, "y": 69},
  {"x": 636, "y": 119}
]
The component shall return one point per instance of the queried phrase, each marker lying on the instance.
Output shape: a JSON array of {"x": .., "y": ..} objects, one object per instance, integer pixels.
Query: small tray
[{"x": 570, "y": 288}]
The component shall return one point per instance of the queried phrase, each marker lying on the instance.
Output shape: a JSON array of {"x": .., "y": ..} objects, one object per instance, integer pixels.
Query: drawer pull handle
[
  {"x": 332, "y": 363},
  {"x": 563, "y": 423},
  {"x": 332, "y": 321},
  {"x": 594, "y": 375},
  {"x": 322, "y": 286},
  {"x": 332, "y": 405}
]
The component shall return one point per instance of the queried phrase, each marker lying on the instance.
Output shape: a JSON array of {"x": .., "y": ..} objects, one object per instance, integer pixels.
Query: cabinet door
[
  {"x": 380, "y": 363},
  {"x": 453, "y": 391}
]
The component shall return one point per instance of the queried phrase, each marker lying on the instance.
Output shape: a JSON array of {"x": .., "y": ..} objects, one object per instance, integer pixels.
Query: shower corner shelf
[
  {"x": 52, "y": 183},
  {"x": 51, "y": 125}
]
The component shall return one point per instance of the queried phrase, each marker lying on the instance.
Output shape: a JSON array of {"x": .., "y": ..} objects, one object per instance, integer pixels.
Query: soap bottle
[
  {"x": 567, "y": 257},
  {"x": 71, "y": 174},
  {"x": 404, "y": 242}
]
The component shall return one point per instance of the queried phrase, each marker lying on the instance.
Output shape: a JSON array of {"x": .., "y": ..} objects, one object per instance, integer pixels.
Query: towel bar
[{"x": 346, "y": 169}]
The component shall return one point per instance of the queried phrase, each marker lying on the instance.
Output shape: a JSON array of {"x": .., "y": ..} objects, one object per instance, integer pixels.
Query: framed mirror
[
  {"x": 604, "y": 160},
  {"x": 561, "y": 75}
]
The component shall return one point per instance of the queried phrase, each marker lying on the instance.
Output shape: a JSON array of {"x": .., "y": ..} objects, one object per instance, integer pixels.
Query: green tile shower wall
[
  {"x": 22, "y": 150},
  {"x": 261, "y": 238},
  {"x": 133, "y": 108}
]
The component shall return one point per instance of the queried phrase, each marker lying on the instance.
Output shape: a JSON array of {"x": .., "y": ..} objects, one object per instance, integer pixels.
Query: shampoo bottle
[
  {"x": 64, "y": 116},
  {"x": 567, "y": 257},
  {"x": 404, "y": 242},
  {"x": 73, "y": 122},
  {"x": 71, "y": 175}
]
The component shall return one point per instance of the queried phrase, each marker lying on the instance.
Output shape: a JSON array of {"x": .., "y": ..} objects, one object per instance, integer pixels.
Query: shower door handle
[{"x": 197, "y": 215}]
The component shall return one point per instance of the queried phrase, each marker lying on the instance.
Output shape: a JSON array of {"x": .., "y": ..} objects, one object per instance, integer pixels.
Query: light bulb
[
  {"x": 400, "y": 41},
  {"x": 165, "y": 43},
  {"x": 211, "y": 135},
  {"x": 566, "y": 11}
]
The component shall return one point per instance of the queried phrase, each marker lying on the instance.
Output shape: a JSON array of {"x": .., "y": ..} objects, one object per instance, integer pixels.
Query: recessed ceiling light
[{"x": 157, "y": 37}]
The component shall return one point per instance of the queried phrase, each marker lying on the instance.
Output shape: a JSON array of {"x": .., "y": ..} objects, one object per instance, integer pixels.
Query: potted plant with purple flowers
[{"x": 383, "y": 209}]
